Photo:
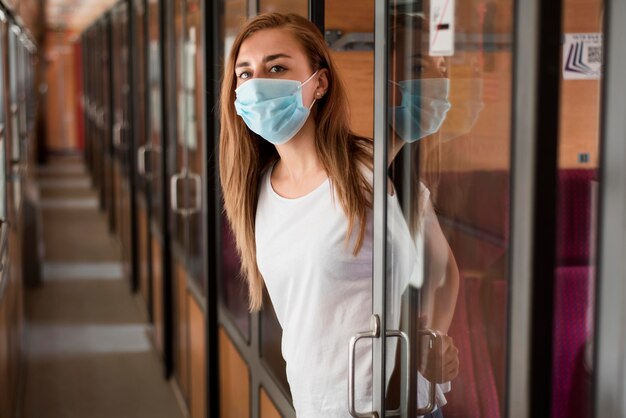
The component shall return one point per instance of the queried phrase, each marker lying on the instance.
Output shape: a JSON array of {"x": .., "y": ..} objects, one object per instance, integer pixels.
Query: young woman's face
[{"x": 275, "y": 53}]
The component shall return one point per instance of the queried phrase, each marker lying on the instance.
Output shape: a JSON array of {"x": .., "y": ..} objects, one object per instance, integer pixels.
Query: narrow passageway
[{"x": 88, "y": 353}]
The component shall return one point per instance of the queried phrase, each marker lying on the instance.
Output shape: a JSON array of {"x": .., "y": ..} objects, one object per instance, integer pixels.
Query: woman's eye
[
  {"x": 418, "y": 69},
  {"x": 277, "y": 69},
  {"x": 244, "y": 75}
]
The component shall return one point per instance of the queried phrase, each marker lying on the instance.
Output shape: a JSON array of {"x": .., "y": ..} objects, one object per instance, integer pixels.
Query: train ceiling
[{"x": 74, "y": 15}]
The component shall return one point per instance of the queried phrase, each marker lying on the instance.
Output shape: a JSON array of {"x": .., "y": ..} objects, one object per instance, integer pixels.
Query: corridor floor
[{"x": 88, "y": 353}]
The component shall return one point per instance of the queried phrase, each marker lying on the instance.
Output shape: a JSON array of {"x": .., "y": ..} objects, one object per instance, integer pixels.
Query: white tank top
[{"x": 322, "y": 293}]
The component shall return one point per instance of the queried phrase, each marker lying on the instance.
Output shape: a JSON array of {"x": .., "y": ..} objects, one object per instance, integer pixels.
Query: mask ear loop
[{"x": 306, "y": 81}]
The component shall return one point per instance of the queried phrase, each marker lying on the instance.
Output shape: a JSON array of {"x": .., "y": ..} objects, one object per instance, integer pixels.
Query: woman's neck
[{"x": 298, "y": 157}]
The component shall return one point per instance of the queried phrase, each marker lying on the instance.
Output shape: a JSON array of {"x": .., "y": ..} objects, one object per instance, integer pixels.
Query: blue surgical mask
[
  {"x": 423, "y": 107},
  {"x": 273, "y": 108}
]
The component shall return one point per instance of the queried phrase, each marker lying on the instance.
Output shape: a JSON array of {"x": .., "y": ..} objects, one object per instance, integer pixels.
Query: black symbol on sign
[{"x": 575, "y": 60}]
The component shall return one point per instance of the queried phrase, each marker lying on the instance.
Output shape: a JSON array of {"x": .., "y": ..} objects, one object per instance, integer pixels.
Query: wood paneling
[
  {"x": 268, "y": 409},
  {"x": 197, "y": 345},
  {"x": 61, "y": 96},
  {"x": 182, "y": 329},
  {"x": 580, "y": 99},
  {"x": 234, "y": 380},
  {"x": 356, "y": 70},
  {"x": 157, "y": 294},
  {"x": 580, "y": 123},
  {"x": 347, "y": 16},
  {"x": 300, "y": 7},
  {"x": 142, "y": 232},
  {"x": 487, "y": 146}
]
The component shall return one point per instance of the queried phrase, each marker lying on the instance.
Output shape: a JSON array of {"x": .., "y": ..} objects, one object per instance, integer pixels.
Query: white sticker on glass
[
  {"x": 582, "y": 56},
  {"x": 441, "y": 28}
]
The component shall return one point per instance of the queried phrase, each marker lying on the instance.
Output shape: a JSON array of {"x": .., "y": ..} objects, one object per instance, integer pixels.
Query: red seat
[{"x": 569, "y": 376}]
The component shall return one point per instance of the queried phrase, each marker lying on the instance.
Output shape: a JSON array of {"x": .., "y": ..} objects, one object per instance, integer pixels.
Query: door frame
[{"x": 610, "y": 364}]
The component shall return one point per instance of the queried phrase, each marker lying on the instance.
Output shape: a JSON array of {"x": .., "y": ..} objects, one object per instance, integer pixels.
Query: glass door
[
  {"x": 194, "y": 91},
  {"x": 442, "y": 173},
  {"x": 122, "y": 136},
  {"x": 15, "y": 151},
  {"x": 142, "y": 141},
  {"x": 156, "y": 172},
  {"x": 103, "y": 83}
]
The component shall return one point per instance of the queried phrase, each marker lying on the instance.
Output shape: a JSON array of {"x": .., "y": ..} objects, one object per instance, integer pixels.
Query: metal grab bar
[
  {"x": 141, "y": 160},
  {"x": 174, "y": 203},
  {"x": 432, "y": 392},
  {"x": 374, "y": 332}
]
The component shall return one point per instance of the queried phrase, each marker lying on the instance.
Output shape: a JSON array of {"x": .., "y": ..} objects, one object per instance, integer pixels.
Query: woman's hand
[{"x": 440, "y": 363}]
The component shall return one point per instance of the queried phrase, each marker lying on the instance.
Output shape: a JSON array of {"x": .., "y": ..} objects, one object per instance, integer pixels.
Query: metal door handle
[
  {"x": 405, "y": 367},
  {"x": 174, "y": 193},
  {"x": 432, "y": 392},
  {"x": 141, "y": 160},
  {"x": 374, "y": 332}
]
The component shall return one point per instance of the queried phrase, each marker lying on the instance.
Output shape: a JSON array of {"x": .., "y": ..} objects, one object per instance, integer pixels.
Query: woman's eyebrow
[
  {"x": 266, "y": 59},
  {"x": 273, "y": 57}
]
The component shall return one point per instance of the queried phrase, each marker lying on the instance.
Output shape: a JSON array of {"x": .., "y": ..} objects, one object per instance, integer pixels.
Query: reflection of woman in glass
[
  {"x": 297, "y": 187},
  {"x": 418, "y": 107}
]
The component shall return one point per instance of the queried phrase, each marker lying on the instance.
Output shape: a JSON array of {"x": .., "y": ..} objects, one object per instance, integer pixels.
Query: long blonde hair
[{"x": 244, "y": 155}]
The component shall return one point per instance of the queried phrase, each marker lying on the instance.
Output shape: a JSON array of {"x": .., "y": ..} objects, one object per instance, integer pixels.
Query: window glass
[
  {"x": 194, "y": 88},
  {"x": 180, "y": 156},
  {"x": 156, "y": 134},
  {"x": 449, "y": 92},
  {"x": 232, "y": 288},
  {"x": 576, "y": 217}
]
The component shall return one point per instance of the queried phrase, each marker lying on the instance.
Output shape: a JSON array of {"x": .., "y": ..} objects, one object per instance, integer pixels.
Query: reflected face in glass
[
  {"x": 410, "y": 52},
  {"x": 274, "y": 54},
  {"x": 419, "y": 92}
]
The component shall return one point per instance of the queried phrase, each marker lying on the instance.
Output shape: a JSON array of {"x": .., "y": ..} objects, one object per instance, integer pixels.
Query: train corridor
[{"x": 88, "y": 352}]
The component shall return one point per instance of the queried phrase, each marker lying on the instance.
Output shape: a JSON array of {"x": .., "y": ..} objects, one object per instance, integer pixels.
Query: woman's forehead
[{"x": 270, "y": 42}]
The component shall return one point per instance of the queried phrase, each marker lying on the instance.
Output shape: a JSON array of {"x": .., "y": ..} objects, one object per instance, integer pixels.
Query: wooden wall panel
[
  {"x": 580, "y": 99},
  {"x": 60, "y": 77},
  {"x": 157, "y": 294},
  {"x": 234, "y": 380},
  {"x": 488, "y": 145},
  {"x": 29, "y": 12},
  {"x": 348, "y": 17},
  {"x": 268, "y": 409},
  {"x": 357, "y": 72},
  {"x": 300, "y": 7},
  {"x": 181, "y": 320},
  {"x": 197, "y": 345}
]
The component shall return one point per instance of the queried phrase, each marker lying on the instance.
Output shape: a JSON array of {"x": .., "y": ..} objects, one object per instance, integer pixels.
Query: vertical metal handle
[
  {"x": 174, "y": 192},
  {"x": 197, "y": 180},
  {"x": 373, "y": 333},
  {"x": 405, "y": 368},
  {"x": 432, "y": 392},
  {"x": 141, "y": 160}
]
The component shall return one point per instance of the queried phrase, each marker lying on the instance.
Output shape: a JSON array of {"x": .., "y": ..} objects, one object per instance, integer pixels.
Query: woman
[{"x": 297, "y": 187}]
